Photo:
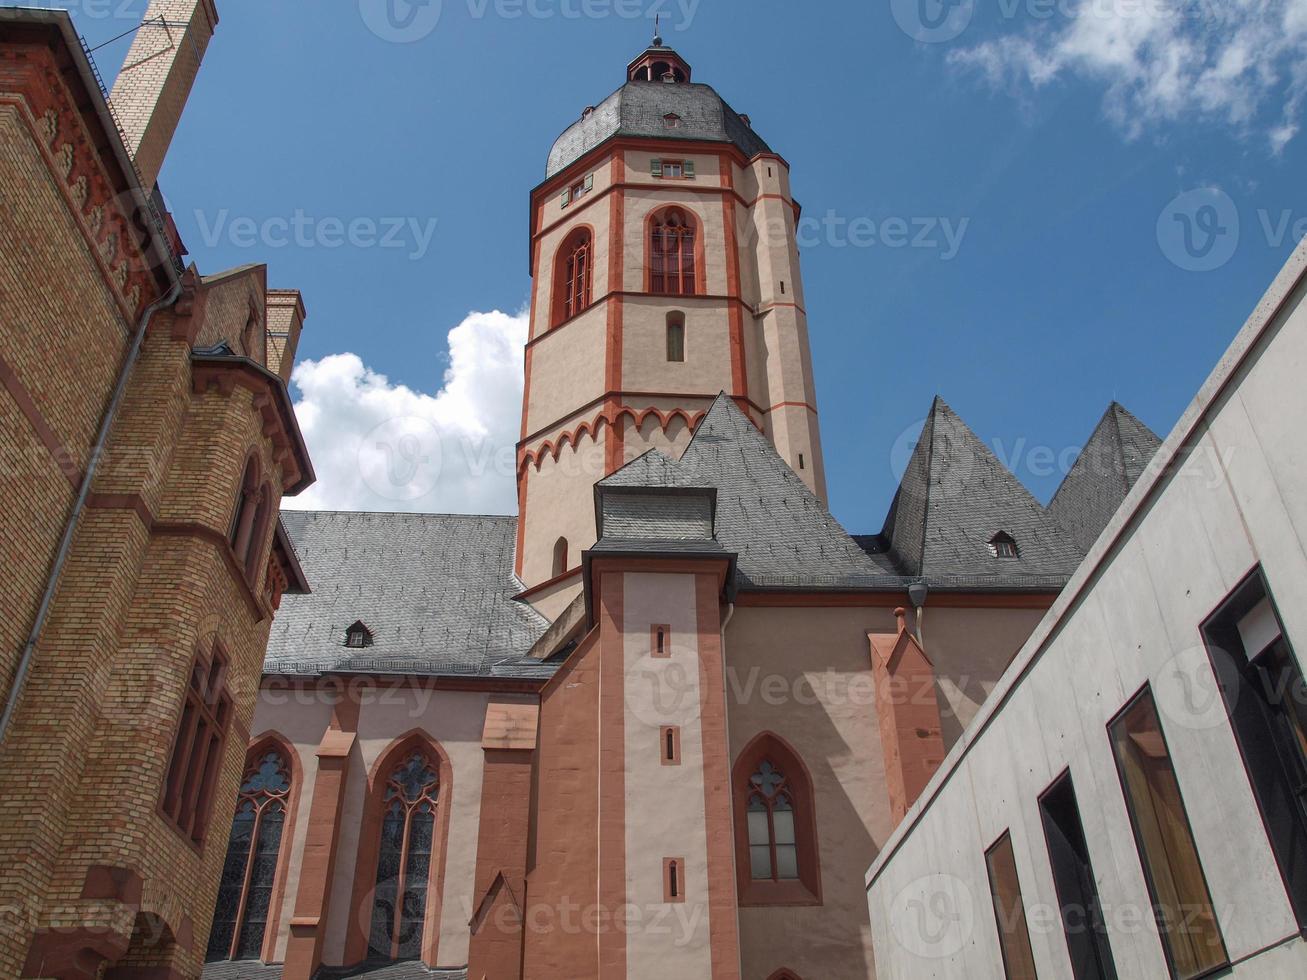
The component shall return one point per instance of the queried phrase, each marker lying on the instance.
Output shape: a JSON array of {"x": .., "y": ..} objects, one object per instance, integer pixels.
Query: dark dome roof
[{"x": 640, "y": 108}]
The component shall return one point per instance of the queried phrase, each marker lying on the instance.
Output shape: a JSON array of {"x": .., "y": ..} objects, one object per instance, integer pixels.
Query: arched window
[
  {"x": 259, "y": 534},
  {"x": 408, "y": 828},
  {"x": 671, "y": 254},
  {"x": 676, "y": 336},
  {"x": 1003, "y": 545},
  {"x": 242, "y": 523},
  {"x": 560, "y": 557},
  {"x": 573, "y": 274},
  {"x": 248, "y": 875},
  {"x": 775, "y": 827}
]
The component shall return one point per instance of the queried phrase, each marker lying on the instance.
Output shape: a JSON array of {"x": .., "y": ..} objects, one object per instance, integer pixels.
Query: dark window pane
[
  {"x": 231, "y": 883},
  {"x": 1073, "y": 878},
  {"x": 263, "y": 873}
]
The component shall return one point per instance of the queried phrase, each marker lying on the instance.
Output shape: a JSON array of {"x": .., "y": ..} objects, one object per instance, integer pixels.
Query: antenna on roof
[{"x": 658, "y": 34}]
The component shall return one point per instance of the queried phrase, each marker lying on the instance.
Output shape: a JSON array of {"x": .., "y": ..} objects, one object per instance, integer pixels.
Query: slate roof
[
  {"x": 435, "y": 590},
  {"x": 1113, "y": 459},
  {"x": 783, "y": 535},
  {"x": 639, "y": 108},
  {"x": 954, "y": 497}
]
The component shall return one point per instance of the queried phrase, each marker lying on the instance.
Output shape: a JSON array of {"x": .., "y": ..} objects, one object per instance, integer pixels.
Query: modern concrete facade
[{"x": 1170, "y": 605}]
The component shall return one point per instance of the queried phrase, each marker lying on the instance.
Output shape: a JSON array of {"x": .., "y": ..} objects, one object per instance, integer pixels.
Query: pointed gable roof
[
  {"x": 954, "y": 498},
  {"x": 1113, "y": 459},
  {"x": 783, "y": 535}
]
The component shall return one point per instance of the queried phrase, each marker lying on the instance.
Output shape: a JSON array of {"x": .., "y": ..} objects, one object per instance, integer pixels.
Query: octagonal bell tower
[{"x": 665, "y": 271}]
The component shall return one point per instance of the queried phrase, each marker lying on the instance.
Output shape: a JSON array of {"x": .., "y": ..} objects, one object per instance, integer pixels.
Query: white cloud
[
  {"x": 382, "y": 446},
  {"x": 1242, "y": 63}
]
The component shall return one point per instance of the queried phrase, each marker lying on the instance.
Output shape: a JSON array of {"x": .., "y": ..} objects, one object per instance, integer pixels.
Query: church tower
[{"x": 665, "y": 271}]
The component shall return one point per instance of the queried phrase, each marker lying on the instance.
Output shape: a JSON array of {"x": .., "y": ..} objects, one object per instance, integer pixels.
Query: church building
[{"x": 657, "y": 723}]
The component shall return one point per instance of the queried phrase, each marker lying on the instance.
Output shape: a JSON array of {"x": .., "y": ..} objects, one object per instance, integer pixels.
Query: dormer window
[
  {"x": 672, "y": 120},
  {"x": 358, "y": 636},
  {"x": 1003, "y": 545}
]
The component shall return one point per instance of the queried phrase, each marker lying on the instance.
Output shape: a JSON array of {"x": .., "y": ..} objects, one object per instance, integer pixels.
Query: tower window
[
  {"x": 358, "y": 636},
  {"x": 578, "y": 190},
  {"x": 670, "y": 745},
  {"x": 673, "y": 879},
  {"x": 800, "y": 460},
  {"x": 1003, "y": 545},
  {"x": 573, "y": 273},
  {"x": 671, "y": 254},
  {"x": 560, "y": 557},
  {"x": 671, "y": 169},
  {"x": 660, "y": 641},
  {"x": 676, "y": 336}
]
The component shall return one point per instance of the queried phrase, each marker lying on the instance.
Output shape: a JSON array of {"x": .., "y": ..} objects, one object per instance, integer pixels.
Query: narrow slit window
[
  {"x": 782, "y": 287},
  {"x": 1009, "y": 911},
  {"x": 660, "y": 641},
  {"x": 800, "y": 460},
  {"x": 673, "y": 879},
  {"x": 1073, "y": 879},
  {"x": 675, "y": 337},
  {"x": 1181, "y": 902},
  {"x": 670, "y": 745}
]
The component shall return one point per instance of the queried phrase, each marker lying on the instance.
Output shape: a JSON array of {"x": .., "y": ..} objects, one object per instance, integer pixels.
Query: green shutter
[
  {"x": 655, "y": 168},
  {"x": 589, "y": 182},
  {"x": 689, "y": 168},
  {"x": 567, "y": 196}
]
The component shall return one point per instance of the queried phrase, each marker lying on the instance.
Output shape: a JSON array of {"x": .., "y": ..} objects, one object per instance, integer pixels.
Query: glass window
[
  {"x": 773, "y": 852},
  {"x": 250, "y": 870},
  {"x": 671, "y": 256},
  {"x": 1181, "y": 902},
  {"x": 404, "y": 861},
  {"x": 675, "y": 337},
  {"x": 1009, "y": 911}
]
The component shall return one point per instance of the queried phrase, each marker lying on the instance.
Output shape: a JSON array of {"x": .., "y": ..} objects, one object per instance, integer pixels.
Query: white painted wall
[{"x": 1234, "y": 497}]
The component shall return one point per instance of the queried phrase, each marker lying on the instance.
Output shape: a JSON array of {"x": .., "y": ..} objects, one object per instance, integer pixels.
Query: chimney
[
  {"x": 285, "y": 320},
  {"x": 155, "y": 80}
]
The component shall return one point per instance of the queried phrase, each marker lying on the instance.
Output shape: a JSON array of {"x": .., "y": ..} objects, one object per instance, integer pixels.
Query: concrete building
[{"x": 1128, "y": 802}]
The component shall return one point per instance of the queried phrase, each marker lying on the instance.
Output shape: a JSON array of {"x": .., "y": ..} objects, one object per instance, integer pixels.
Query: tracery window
[
  {"x": 671, "y": 254},
  {"x": 249, "y": 873},
  {"x": 776, "y": 850},
  {"x": 773, "y": 852},
  {"x": 404, "y": 860}
]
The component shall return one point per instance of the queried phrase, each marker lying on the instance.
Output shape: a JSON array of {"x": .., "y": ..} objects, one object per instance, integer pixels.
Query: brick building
[{"x": 657, "y": 723}]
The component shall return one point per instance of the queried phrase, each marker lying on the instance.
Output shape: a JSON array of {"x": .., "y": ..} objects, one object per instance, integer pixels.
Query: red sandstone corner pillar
[
  {"x": 308, "y": 926},
  {"x": 508, "y": 740},
  {"x": 908, "y": 712}
]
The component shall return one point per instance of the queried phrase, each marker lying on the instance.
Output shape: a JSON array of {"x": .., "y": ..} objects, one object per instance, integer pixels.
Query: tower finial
[{"x": 658, "y": 34}]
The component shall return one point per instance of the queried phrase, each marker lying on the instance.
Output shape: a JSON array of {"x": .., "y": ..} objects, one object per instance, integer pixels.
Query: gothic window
[
  {"x": 197, "y": 747},
  {"x": 676, "y": 337},
  {"x": 773, "y": 853},
  {"x": 242, "y": 524},
  {"x": 408, "y": 828},
  {"x": 573, "y": 275},
  {"x": 1003, "y": 545},
  {"x": 245, "y": 891},
  {"x": 560, "y": 557},
  {"x": 259, "y": 535},
  {"x": 775, "y": 827},
  {"x": 672, "y": 254}
]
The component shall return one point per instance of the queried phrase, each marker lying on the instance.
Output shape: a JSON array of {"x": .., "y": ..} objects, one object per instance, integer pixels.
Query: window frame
[
  {"x": 805, "y": 890},
  {"x": 1234, "y": 674},
  {"x": 1141, "y": 850},
  {"x": 204, "y": 720},
  {"x": 676, "y": 327},
  {"x": 571, "y": 298},
  {"x": 262, "y": 746},
  {"x": 359, "y": 931},
  {"x": 1101, "y": 945},
  {"x": 1024, "y": 935},
  {"x": 684, "y": 263}
]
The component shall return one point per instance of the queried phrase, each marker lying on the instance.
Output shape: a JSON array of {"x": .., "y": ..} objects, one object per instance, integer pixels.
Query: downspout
[{"x": 92, "y": 465}]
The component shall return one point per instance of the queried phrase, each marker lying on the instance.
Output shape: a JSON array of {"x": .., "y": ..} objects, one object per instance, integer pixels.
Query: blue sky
[{"x": 1070, "y": 148}]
